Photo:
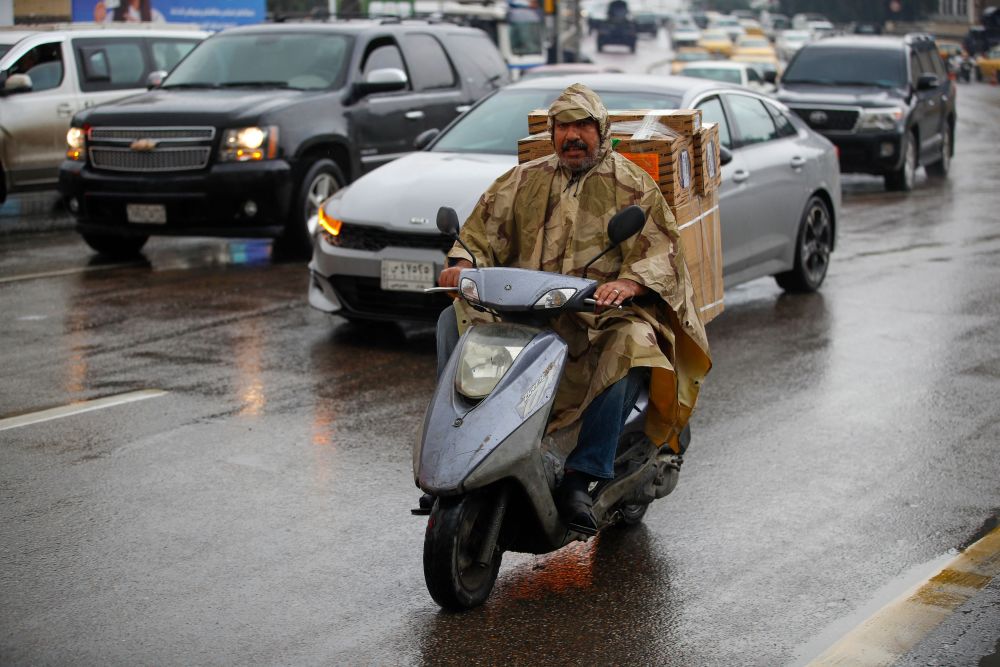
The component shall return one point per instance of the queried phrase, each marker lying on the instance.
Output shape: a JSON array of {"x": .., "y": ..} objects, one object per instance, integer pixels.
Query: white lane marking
[
  {"x": 67, "y": 272},
  {"x": 79, "y": 408}
]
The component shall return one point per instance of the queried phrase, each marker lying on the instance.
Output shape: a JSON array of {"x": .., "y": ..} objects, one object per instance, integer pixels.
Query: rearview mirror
[
  {"x": 424, "y": 139},
  {"x": 928, "y": 82},
  {"x": 385, "y": 80},
  {"x": 625, "y": 224},
  {"x": 155, "y": 79},
  {"x": 447, "y": 221},
  {"x": 725, "y": 155},
  {"x": 16, "y": 83}
]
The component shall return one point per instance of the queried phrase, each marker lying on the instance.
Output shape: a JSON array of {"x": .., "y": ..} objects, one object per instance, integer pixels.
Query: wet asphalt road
[{"x": 257, "y": 511}]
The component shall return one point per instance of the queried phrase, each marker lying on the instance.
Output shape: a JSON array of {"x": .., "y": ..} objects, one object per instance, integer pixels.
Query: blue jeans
[{"x": 603, "y": 419}]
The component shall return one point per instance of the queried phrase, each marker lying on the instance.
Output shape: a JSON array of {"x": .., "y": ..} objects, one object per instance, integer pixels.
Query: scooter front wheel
[{"x": 453, "y": 545}]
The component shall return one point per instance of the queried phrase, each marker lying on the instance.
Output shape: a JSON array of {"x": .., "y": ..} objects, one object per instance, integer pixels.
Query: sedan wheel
[{"x": 812, "y": 251}]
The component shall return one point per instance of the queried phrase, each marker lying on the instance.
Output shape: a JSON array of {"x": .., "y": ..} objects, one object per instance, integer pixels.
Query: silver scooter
[{"x": 483, "y": 453}]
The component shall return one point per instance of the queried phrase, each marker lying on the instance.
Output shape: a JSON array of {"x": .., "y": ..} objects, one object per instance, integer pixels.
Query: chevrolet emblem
[{"x": 143, "y": 145}]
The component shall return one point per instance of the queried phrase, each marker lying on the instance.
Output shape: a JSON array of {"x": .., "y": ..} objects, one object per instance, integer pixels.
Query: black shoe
[
  {"x": 424, "y": 505},
  {"x": 575, "y": 504}
]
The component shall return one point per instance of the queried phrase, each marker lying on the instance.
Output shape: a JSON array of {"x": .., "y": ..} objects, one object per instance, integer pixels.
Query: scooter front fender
[{"x": 458, "y": 435}]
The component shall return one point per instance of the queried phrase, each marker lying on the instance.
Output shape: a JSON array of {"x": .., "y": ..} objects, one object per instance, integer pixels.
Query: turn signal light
[{"x": 331, "y": 225}]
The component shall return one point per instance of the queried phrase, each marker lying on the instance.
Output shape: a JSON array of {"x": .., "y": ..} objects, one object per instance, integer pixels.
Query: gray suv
[{"x": 47, "y": 76}]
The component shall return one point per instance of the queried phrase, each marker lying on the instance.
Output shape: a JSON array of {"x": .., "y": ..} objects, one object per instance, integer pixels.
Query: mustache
[{"x": 571, "y": 144}]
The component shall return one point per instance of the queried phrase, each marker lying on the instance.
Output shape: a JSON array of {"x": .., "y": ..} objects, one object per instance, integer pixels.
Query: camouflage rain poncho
[{"x": 538, "y": 216}]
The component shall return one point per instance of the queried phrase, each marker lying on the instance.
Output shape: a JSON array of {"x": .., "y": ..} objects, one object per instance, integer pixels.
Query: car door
[
  {"x": 927, "y": 107},
  {"x": 385, "y": 124},
  {"x": 439, "y": 91},
  {"x": 34, "y": 122}
]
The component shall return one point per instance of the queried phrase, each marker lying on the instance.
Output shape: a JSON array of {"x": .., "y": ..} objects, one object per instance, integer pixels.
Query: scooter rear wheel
[{"x": 452, "y": 545}]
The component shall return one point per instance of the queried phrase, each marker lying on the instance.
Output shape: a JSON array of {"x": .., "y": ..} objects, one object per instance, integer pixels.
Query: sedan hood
[
  {"x": 405, "y": 194},
  {"x": 860, "y": 96},
  {"x": 192, "y": 106}
]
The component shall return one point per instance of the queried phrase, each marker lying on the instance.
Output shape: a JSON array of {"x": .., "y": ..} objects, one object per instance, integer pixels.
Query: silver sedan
[{"x": 377, "y": 247}]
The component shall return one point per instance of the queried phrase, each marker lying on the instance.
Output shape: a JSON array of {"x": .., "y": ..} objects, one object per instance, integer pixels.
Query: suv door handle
[
  {"x": 414, "y": 115},
  {"x": 64, "y": 110},
  {"x": 797, "y": 162},
  {"x": 462, "y": 108},
  {"x": 740, "y": 175}
]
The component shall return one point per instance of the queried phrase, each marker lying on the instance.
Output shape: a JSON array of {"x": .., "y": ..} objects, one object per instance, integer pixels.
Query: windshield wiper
[
  {"x": 254, "y": 84},
  {"x": 190, "y": 85}
]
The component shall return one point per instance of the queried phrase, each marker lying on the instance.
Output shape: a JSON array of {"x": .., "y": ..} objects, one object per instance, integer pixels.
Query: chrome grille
[
  {"x": 161, "y": 159},
  {"x": 827, "y": 119},
  {"x": 157, "y": 133},
  {"x": 145, "y": 149}
]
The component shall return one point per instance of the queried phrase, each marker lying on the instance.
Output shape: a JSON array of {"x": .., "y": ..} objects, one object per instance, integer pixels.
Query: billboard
[{"x": 207, "y": 14}]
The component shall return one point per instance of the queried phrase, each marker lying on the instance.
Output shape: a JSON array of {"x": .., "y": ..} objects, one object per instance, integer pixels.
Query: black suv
[
  {"x": 886, "y": 102},
  {"x": 258, "y": 125}
]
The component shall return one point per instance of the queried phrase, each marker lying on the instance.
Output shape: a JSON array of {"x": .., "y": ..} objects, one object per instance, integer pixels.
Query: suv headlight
[
  {"x": 488, "y": 353},
  {"x": 76, "y": 139},
  {"x": 249, "y": 144},
  {"x": 880, "y": 119}
]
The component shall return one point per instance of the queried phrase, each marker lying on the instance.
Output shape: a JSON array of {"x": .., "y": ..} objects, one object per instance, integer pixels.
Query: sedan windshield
[
  {"x": 857, "y": 67},
  {"x": 495, "y": 125},
  {"x": 305, "y": 61}
]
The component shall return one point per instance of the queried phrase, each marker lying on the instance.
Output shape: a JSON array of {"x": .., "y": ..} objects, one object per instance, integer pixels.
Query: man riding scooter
[{"x": 551, "y": 214}]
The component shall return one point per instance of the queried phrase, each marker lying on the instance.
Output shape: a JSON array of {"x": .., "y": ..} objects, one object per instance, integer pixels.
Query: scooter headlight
[
  {"x": 488, "y": 353},
  {"x": 556, "y": 298}
]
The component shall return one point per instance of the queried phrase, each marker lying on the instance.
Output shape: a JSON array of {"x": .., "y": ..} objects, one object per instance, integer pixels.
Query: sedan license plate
[
  {"x": 402, "y": 276},
  {"x": 150, "y": 214}
]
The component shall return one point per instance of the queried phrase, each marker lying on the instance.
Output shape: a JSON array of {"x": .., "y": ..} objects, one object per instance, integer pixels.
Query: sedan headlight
[
  {"x": 880, "y": 119},
  {"x": 488, "y": 353},
  {"x": 249, "y": 144},
  {"x": 76, "y": 139}
]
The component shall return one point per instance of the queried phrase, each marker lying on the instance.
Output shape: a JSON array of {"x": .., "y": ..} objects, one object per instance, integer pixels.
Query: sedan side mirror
[
  {"x": 155, "y": 79},
  {"x": 424, "y": 139},
  {"x": 725, "y": 155},
  {"x": 771, "y": 76}
]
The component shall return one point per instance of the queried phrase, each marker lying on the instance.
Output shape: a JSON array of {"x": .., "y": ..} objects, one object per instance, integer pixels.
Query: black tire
[
  {"x": 119, "y": 247},
  {"x": 941, "y": 168},
  {"x": 451, "y": 546},
  {"x": 902, "y": 179},
  {"x": 813, "y": 245},
  {"x": 321, "y": 179},
  {"x": 632, "y": 514}
]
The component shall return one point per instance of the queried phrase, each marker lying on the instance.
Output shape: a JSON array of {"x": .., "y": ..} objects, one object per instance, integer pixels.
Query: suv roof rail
[{"x": 915, "y": 37}]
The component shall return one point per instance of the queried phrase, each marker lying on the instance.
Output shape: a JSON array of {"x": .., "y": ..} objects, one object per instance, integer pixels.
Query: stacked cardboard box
[{"x": 682, "y": 156}]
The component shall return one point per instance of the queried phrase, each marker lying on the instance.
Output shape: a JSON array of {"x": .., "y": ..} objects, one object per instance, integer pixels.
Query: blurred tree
[{"x": 846, "y": 11}]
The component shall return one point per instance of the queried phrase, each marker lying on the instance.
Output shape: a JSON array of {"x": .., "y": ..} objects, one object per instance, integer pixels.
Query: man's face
[{"x": 577, "y": 143}]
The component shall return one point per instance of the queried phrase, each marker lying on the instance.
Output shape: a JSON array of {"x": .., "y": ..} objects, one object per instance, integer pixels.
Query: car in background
[
  {"x": 684, "y": 33},
  {"x": 730, "y": 24},
  {"x": 886, "y": 102},
  {"x": 755, "y": 47},
  {"x": 618, "y": 28},
  {"x": 688, "y": 54},
  {"x": 377, "y": 246},
  {"x": 48, "y": 75},
  {"x": 803, "y": 21},
  {"x": 790, "y": 41},
  {"x": 948, "y": 49},
  {"x": 752, "y": 28},
  {"x": 727, "y": 71},
  {"x": 988, "y": 65},
  {"x": 563, "y": 69},
  {"x": 646, "y": 23},
  {"x": 774, "y": 24},
  {"x": 261, "y": 123},
  {"x": 717, "y": 42}
]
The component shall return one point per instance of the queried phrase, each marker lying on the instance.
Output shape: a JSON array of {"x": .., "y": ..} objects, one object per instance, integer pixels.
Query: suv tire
[
  {"x": 813, "y": 246},
  {"x": 321, "y": 180},
  {"x": 940, "y": 168},
  {"x": 903, "y": 178},
  {"x": 115, "y": 246}
]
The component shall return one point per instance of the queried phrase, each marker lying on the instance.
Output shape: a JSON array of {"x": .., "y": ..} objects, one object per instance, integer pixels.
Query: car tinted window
[
  {"x": 43, "y": 64},
  {"x": 383, "y": 56},
  {"x": 782, "y": 123},
  {"x": 479, "y": 58},
  {"x": 111, "y": 65},
  {"x": 280, "y": 59},
  {"x": 429, "y": 65},
  {"x": 167, "y": 53},
  {"x": 495, "y": 125},
  {"x": 712, "y": 112},
  {"x": 752, "y": 120},
  {"x": 938, "y": 65},
  {"x": 832, "y": 66}
]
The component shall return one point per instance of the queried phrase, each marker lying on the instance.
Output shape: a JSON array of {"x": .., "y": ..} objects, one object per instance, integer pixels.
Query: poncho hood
[{"x": 576, "y": 103}]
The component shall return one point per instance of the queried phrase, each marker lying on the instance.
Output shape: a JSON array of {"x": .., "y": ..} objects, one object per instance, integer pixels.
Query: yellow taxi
[
  {"x": 717, "y": 42},
  {"x": 688, "y": 54},
  {"x": 755, "y": 47},
  {"x": 988, "y": 65},
  {"x": 948, "y": 49}
]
